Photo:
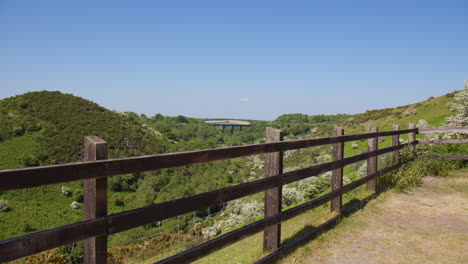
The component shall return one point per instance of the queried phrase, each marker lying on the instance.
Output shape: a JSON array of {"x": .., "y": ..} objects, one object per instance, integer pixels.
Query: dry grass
[{"x": 428, "y": 225}]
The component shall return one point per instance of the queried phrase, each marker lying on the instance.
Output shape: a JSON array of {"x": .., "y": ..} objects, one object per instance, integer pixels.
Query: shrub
[
  {"x": 362, "y": 170},
  {"x": 75, "y": 205},
  {"x": 29, "y": 161},
  {"x": 4, "y": 206},
  {"x": 410, "y": 112},
  {"x": 18, "y": 130},
  {"x": 323, "y": 158},
  {"x": 460, "y": 118},
  {"x": 410, "y": 174},
  {"x": 26, "y": 228},
  {"x": 65, "y": 191},
  {"x": 78, "y": 195},
  {"x": 118, "y": 199},
  {"x": 53, "y": 256},
  {"x": 33, "y": 127},
  {"x": 313, "y": 186},
  {"x": 291, "y": 196}
]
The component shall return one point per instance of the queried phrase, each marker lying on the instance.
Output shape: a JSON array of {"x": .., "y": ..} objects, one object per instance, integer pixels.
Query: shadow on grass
[
  {"x": 310, "y": 232},
  {"x": 349, "y": 208}
]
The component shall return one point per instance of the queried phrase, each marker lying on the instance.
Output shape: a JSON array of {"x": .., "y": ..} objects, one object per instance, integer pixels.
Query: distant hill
[
  {"x": 434, "y": 110},
  {"x": 52, "y": 125}
]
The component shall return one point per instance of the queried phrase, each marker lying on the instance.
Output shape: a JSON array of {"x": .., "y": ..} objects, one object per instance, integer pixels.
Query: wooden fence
[{"x": 97, "y": 225}]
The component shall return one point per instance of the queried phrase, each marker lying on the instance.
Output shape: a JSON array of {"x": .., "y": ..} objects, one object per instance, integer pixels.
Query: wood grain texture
[
  {"x": 134, "y": 218},
  {"x": 273, "y": 167},
  {"x": 337, "y": 174},
  {"x": 443, "y": 141},
  {"x": 396, "y": 142},
  {"x": 372, "y": 145},
  {"x": 412, "y": 138},
  {"x": 52, "y": 174},
  {"x": 23, "y": 246},
  {"x": 443, "y": 130},
  {"x": 225, "y": 240},
  {"x": 95, "y": 201}
]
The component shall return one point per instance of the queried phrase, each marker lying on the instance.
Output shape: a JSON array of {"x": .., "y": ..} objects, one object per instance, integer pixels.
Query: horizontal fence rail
[
  {"x": 234, "y": 236},
  {"x": 105, "y": 225},
  {"x": 290, "y": 246},
  {"x": 33, "y": 243},
  {"x": 443, "y": 141},
  {"x": 443, "y": 130},
  {"x": 45, "y": 175}
]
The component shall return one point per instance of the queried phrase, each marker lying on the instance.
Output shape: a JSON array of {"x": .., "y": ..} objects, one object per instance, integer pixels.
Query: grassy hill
[
  {"x": 54, "y": 124},
  {"x": 40, "y": 128}
]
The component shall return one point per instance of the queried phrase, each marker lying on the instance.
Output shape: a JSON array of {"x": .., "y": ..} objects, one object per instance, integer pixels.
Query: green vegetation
[
  {"x": 60, "y": 121},
  {"x": 41, "y": 128}
]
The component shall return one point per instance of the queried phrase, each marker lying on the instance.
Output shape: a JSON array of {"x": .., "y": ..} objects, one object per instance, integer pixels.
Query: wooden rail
[
  {"x": 98, "y": 225},
  {"x": 443, "y": 130},
  {"x": 45, "y": 175}
]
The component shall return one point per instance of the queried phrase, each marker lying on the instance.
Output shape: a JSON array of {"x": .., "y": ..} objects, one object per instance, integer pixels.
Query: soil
[{"x": 427, "y": 225}]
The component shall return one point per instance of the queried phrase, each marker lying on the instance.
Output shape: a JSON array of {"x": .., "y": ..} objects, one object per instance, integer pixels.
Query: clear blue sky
[{"x": 244, "y": 59}]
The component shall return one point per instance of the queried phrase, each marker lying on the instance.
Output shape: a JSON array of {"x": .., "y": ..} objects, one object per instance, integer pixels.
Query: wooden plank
[
  {"x": 456, "y": 157},
  {"x": 412, "y": 138},
  {"x": 134, "y": 218},
  {"x": 396, "y": 142},
  {"x": 273, "y": 167},
  {"x": 52, "y": 174},
  {"x": 443, "y": 141},
  {"x": 95, "y": 201},
  {"x": 23, "y": 246},
  {"x": 372, "y": 145},
  {"x": 138, "y": 217},
  {"x": 337, "y": 174},
  {"x": 225, "y": 240},
  {"x": 444, "y": 130},
  {"x": 412, "y": 135}
]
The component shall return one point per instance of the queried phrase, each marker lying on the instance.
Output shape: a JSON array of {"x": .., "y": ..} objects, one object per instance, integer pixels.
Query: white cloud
[{"x": 244, "y": 99}]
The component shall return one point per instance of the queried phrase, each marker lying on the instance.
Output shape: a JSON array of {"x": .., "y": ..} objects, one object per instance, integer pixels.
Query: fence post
[
  {"x": 412, "y": 138},
  {"x": 273, "y": 166},
  {"x": 372, "y": 145},
  {"x": 337, "y": 175},
  {"x": 396, "y": 142},
  {"x": 95, "y": 201}
]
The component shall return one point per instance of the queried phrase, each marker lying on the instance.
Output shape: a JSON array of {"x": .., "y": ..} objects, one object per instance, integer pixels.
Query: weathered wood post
[
  {"x": 396, "y": 142},
  {"x": 95, "y": 201},
  {"x": 412, "y": 138},
  {"x": 273, "y": 166},
  {"x": 337, "y": 175},
  {"x": 372, "y": 145}
]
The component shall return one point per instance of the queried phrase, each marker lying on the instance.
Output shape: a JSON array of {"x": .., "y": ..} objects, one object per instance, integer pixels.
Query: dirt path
[{"x": 428, "y": 225}]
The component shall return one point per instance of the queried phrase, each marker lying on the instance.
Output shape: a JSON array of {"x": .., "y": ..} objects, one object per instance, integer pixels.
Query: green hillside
[
  {"x": 55, "y": 124},
  {"x": 433, "y": 110},
  {"x": 40, "y": 128}
]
